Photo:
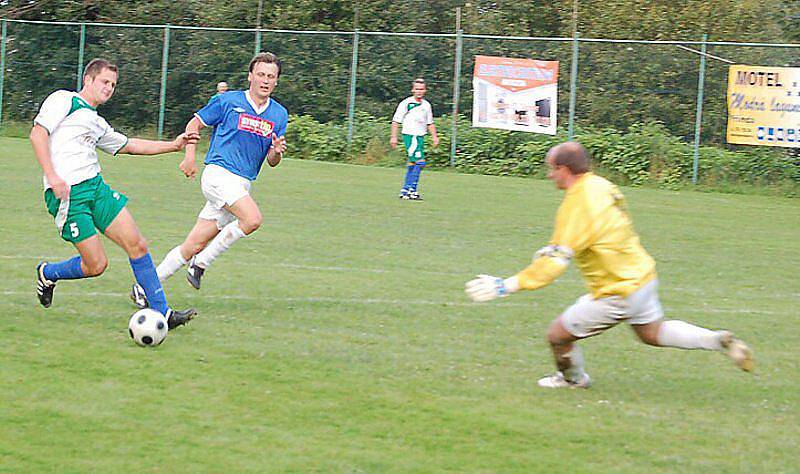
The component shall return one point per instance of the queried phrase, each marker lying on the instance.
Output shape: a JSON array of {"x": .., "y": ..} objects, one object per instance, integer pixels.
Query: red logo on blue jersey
[{"x": 257, "y": 125}]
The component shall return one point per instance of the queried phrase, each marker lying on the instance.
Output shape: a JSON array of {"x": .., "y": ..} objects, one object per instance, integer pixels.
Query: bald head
[
  {"x": 571, "y": 155},
  {"x": 222, "y": 87}
]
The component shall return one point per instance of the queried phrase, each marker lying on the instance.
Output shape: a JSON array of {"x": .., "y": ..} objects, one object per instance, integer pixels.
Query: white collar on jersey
[{"x": 253, "y": 104}]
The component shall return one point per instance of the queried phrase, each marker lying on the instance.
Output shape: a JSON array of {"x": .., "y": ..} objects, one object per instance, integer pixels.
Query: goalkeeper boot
[
  {"x": 194, "y": 274},
  {"x": 44, "y": 287},
  {"x": 138, "y": 297},
  {"x": 558, "y": 381},
  {"x": 737, "y": 350},
  {"x": 177, "y": 318}
]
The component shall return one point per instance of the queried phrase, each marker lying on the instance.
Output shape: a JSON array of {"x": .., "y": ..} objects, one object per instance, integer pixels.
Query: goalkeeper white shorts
[
  {"x": 221, "y": 188},
  {"x": 589, "y": 316}
]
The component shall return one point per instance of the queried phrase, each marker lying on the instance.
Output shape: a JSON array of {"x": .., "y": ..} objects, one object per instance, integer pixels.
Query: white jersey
[
  {"x": 76, "y": 130},
  {"x": 414, "y": 115}
]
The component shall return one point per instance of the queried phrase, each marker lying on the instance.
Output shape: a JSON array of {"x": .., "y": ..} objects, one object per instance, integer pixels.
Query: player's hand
[
  {"x": 189, "y": 167},
  {"x": 186, "y": 138},
  {"x": 486, "y": 288},
  {"x": 59, "y": 186},
  {"x": 279, "y": 144},
  {"x": 393, "y": 142},
  {"x": 435, "y": 141}
]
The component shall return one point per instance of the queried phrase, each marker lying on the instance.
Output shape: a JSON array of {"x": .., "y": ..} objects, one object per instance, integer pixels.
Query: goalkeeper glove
[{"x": 487, "y": 288}]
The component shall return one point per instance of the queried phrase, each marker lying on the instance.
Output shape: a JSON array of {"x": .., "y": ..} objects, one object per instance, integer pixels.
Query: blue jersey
[{"x": 243, "y": 134}]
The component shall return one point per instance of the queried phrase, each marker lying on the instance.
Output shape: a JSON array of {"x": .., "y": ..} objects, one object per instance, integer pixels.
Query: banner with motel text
[
  {"x": 764, "y": 106},
  {"x": 515, "y": 94}
]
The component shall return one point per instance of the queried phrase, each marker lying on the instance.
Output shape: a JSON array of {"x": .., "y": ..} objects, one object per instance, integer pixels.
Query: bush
[{"x": 644, "y": 155}]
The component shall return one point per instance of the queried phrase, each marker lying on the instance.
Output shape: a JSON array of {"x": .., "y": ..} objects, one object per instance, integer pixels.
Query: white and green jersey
[
  {"x": 414, "y": 115},
  {"x": 76, "y": 130}
]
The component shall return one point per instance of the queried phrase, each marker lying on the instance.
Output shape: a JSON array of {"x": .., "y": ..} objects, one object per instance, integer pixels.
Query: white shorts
[
  {"x": 221, "y": 188},
  {"x": 589, "y": 316}
]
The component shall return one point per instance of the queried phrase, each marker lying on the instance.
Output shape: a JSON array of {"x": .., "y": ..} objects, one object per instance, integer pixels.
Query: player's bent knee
[
  {"x": 648, "y": 333},
  {"x": 251, "y": 225},
  {"x": 555, "y": 333},
  {"x": 96, "y": 267},
  {"x": 138, "y": 248}
]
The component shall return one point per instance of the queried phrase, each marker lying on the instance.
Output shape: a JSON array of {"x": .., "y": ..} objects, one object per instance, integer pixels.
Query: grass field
[{"x": 338, "y": 337}]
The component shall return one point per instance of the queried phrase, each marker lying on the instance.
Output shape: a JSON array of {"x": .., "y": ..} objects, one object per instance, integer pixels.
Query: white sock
[
  {"x": 683, "y": 335},
  {"x": 171, "y": 264},
  {"x": 226, "y": 237},
  {"x": 575, "y": 371}
]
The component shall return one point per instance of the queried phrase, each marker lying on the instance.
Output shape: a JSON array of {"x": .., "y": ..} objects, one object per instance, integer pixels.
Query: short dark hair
[
  {"x": 572, "y": 155},
  {"x": 268, "y": 58},
  {"x": 97, "y": 65}
]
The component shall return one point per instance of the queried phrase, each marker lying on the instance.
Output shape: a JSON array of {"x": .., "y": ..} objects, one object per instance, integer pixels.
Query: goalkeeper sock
[
  {"x": 226, "y": 237},
  {"x": 683, "y": 335},
  {"x": 146, "y": 276},
  {"x": 66, "y": 270},
  {"x": 171, "y": 264},
  {"x": 575, "y": 371}
]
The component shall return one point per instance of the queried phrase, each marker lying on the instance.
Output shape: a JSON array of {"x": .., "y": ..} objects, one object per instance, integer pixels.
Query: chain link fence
[{"x": 168, "y": 72}]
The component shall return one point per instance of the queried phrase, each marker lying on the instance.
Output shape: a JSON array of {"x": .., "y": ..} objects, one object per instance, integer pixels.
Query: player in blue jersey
[{"x": 250, "y": 128}]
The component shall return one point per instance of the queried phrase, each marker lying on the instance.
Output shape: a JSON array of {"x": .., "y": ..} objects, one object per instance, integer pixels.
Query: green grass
[{"x": 338, "y": 337}]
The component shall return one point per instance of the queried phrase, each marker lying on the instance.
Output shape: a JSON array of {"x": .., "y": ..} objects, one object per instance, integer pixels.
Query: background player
[
  {"x": 594, "y": 228},
  {"x": 65, "y": 136},
  {"x": 249, "y": 128},
  {"x": 416, "y": 115}
]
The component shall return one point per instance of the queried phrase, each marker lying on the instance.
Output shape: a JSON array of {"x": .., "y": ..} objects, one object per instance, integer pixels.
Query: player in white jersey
[
  {"x": 66, "y": 133},
  {"x": 416, "y": 115}
]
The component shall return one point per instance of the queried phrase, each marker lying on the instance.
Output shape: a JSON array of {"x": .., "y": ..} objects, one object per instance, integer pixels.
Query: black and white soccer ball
[{"x": 148, "y": 327}]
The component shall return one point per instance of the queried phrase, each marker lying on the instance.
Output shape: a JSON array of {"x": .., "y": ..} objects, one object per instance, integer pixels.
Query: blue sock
[
  {"x": 146, "y": 276},
  {"x": 415, "y": 175},
  {"x": 66, "y": 270},
  {"x": 409, "y": 175}
]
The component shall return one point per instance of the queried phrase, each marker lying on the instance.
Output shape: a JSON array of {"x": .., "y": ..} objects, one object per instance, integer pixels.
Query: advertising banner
[
  {"x": 764, "y": 106},
  {"x": 515, "y": 94}
]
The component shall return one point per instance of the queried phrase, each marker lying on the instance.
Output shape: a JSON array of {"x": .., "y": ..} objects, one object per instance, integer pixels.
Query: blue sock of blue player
[
  {"x": 415, "y": 176},
  {"x": 146, "y": 276},
  {"x": 66, "y": 270},
  {"x": 409, "y": 176}
]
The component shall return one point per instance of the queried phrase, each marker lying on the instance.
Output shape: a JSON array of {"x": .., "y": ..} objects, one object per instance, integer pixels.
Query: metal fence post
[
  {"x": 2, "y": 67},
  {"x": 456, "y": 94},
  {"x": 701, "y": 79},
  {"x": 351, "y": 101},
  {"x": 164, "y": 64},
  {"x": 258, "y": 41},
  {"x": 573, "y": 85},
  {"x": 81, "y": 47}
]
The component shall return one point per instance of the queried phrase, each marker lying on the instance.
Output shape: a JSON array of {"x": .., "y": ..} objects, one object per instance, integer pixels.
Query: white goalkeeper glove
[{"x": 487, "y": 287}]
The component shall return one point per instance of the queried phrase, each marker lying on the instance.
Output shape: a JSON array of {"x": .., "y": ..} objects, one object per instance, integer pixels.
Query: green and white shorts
[
  {"x": 91, "y": 205},
  {"x": 415, "y": 147}
]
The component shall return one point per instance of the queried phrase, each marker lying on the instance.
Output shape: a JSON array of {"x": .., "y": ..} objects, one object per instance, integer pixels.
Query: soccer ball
[{"x": 148, "y": 327}]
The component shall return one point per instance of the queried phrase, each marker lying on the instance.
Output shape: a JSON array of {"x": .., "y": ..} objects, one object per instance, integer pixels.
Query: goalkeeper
[{"x": 593, "y": 227}]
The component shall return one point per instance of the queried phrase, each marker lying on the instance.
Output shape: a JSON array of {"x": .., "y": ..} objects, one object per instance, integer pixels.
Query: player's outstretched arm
[
  {"x": 40, "y": 140},
  {"x": 140, "y": 146},
  {"x": 189, "y": 164}
]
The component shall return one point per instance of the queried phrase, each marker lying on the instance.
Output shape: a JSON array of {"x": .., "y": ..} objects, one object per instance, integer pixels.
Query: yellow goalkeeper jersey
[{"x": 593, "y": 228}]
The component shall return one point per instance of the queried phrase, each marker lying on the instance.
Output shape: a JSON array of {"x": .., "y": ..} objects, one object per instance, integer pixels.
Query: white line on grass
[{"x": 380, "y": 301}]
